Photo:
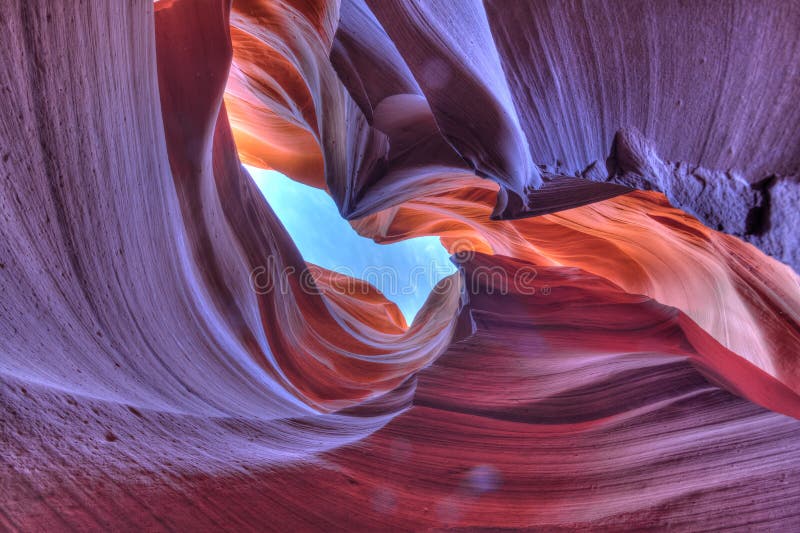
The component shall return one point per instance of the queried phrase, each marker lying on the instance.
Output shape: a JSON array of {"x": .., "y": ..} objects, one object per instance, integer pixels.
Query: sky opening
[{"x": 405, "y": 272}]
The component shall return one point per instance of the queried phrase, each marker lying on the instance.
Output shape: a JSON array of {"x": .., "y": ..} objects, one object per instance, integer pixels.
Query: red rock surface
[{"x": 610, "y": 364}]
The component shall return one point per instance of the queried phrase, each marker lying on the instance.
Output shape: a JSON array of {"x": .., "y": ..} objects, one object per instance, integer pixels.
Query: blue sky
[{"x": 405, "y": 271}]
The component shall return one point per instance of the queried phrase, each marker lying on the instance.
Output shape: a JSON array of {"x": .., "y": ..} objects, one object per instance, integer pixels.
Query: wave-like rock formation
[{"x": 605, "y": 356}]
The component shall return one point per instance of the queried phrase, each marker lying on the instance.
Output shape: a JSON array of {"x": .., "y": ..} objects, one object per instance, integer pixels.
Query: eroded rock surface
[{"x": 605, "y": 357}]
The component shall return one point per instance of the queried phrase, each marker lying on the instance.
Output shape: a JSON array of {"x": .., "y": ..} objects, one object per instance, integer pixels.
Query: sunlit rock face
[{"x": 612, "y": 352}]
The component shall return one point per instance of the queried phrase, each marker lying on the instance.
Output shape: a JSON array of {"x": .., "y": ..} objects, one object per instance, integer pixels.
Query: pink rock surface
[{"x": 611, "y": 364}]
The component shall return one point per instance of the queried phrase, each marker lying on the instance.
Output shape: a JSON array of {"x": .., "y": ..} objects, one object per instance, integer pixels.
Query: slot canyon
[{"x": 616, "y": 184}]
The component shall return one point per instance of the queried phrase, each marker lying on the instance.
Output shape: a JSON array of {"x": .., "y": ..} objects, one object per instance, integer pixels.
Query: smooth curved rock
[{"x": 169, "y": 361}]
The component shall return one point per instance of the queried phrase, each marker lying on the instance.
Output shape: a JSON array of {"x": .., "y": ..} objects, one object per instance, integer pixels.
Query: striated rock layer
[{"x": 601, "y": 358}]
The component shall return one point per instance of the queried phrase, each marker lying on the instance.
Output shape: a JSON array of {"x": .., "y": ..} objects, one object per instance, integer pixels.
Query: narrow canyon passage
[{"x": 614, "y": 344}]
